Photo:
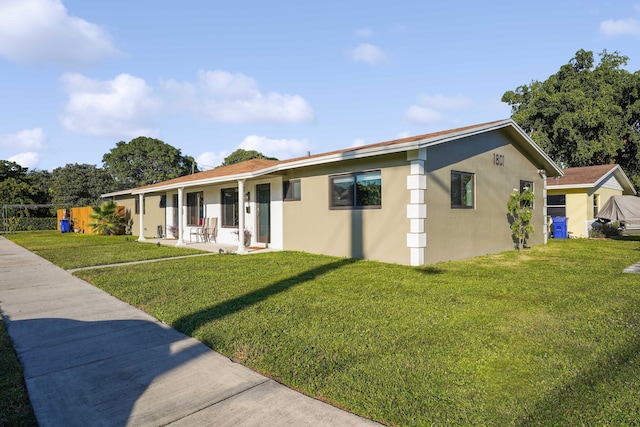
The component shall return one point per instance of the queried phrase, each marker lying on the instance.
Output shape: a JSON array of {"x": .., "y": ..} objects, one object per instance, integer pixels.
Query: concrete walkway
[
  {"x": 92, "y": 360},
  {"x": 635, "y": 268}
]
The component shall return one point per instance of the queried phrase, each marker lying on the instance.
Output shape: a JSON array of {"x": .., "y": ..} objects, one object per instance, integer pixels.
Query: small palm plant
[{"x": 105, "y": 219}]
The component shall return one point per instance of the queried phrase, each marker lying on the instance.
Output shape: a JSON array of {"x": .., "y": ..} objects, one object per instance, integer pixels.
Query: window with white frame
[
  {"x": 462, "y": 190},
  {"x": 229, "y": 202},
  {"x": 292, "y": 190},
  {"x": 195, "y": 208},
  {"x": 524, "y": 186},
  {"x": 360, "y": 190},
  {"x": 557, "y": 205}
]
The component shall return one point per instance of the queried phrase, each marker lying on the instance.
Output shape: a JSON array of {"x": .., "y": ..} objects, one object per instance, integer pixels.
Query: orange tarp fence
[{"x": 81, "y": 217}]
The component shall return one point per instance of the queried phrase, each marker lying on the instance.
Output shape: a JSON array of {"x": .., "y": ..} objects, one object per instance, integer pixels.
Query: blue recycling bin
[
  {"x": 559, "y": 227},
  {"x": 65, "y": 225}
]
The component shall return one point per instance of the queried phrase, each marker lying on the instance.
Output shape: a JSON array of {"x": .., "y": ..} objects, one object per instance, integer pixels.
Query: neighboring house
[
  {"x": 414, "y": 201},
  {"x": 581, "y": 191}
]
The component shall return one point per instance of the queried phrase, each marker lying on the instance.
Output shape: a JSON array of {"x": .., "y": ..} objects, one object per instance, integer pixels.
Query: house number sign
[{"x": 498, "y": 159}]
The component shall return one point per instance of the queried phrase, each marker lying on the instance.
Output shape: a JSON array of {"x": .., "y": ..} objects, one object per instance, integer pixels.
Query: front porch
[{"x": 209, "y": 246}]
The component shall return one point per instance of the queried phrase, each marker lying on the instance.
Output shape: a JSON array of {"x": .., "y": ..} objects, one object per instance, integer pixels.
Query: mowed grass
[
  {"x": 70, "y": 250},
  {"x": 549, "y": 336},
  {"x": 15, "y": 408}
]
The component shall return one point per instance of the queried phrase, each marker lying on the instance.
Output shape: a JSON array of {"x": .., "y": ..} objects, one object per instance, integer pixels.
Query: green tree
[
  {"x": 16, "y": 191},
  {"x": 584, "y": 114},
  {"x": 144, "y": 161},
  {"x": 80, "y": 184},
  {"x": 241, "y": 155},
  {"x": 41, "y": 181},
  {"x": 9, "y": 169},
  {"x": 520, "y": 214},
  {"x": 105, "y": 219},
  {"x": 19, "y": 186},
  {"x": 16, "y": 186}
]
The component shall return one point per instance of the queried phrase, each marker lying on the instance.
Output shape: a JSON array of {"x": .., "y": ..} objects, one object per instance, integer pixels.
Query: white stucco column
[
  {"x": 241, "y": 248},
  {"x": 180, "y": 241},
  {"x": 141, "y": 204},
  {"x": 417, "y": 209}
]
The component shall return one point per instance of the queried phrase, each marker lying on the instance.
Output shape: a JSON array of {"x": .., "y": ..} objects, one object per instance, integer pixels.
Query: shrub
[
  {"x": 520, "y": 214},
  {"x": 26, "y": 223},
  {"x": 609, "y": 229}
]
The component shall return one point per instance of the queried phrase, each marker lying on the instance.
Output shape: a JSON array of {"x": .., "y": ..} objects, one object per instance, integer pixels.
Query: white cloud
[
  {"x": 369, "y": 53},
  {"x": 282, "y": 149},
  {"x": 209, "y": 159},
  {"x": 28, "y": 139},
  {"x": 358, "y": 142},
  {"x": 612, "y": 27},
  {"x": 422, "y": 114},
  {"x": 26, "y": 160},
  {"x": 122, "y": 107},
  {"x": 41, "y": 31},
  {"x": 430, "y": 109},
  {"x": 235, "y": 98},
  {"x": 364, "y": 32},
  {"x": 403, "y": 134}
]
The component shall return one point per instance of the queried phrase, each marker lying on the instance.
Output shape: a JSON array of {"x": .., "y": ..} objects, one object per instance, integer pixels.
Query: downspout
[{"x": 141, "y": 202}]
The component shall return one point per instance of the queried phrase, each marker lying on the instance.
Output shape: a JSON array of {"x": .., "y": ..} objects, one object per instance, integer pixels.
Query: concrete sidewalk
[{"x": 92, "y": 360}]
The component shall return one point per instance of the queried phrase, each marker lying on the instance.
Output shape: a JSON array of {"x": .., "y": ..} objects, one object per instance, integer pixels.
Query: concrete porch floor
[{"x": 208, "y": 246}]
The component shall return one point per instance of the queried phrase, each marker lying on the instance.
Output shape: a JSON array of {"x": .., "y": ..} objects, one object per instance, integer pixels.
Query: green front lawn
[
  {"x": 15, "y": 408},
  {"x": 549, "y": 336},
  {"x": 69, "y": 250}
]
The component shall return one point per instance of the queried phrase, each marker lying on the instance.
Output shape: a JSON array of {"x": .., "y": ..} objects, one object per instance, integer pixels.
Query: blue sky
[{"x": 282, "y": 77}]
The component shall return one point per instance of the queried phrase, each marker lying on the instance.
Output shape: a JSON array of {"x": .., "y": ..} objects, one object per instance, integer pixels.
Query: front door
[{"x": 264, "y": 212}]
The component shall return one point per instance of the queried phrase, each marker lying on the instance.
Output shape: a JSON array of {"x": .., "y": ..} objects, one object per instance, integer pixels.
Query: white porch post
[
  {"x": 180, "y": 241},
  {"x": 141, "y": 204},
  {"x": 545, "y": 226},
  {"x": 241, "y": 248}
]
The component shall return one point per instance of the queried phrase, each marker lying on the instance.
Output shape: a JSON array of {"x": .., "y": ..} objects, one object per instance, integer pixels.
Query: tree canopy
[
  {"x": 18, "y": 186},
  {"x": 144, "y": 161},
  {"x": 9, "y": 169},
  {"x": 585, "y": 114},
  {"x": 241, "y": 155},
  {"x": 80, "y": 184}
]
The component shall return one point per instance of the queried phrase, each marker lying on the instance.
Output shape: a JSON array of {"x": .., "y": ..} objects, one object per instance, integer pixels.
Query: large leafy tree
[
  {"x": 80, "y": 184},
  {"x": 585, "y": 114},
  {"x": 9, "y": 169},
  {"x": 241, "y": 155},
  {"x": 16, "y": 186},
  {"x": 144, "y": 161},
  {"x": 41, "y": 181}
]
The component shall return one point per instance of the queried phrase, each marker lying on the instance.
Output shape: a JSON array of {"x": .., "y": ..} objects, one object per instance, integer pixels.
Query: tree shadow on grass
[
  {"x": 96, "y": 372},
  {"x": 191, "y": 322},
  {"x": 594, "y": 392}
]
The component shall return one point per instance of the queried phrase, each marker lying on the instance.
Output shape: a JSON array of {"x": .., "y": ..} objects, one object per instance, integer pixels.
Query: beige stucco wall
[
  {"x": 129, "y": 211},
  {"x": 380, "y": 234},
  {"x": 579, "y": 206},
  {"x": 154, "y": 215},
  {"x": 454, "y": 234}
]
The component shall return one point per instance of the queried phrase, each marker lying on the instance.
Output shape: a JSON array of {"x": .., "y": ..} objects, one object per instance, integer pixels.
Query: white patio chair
[
  {"x": 211, "y": 229},
  {"x": 199, "y": 231}
]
